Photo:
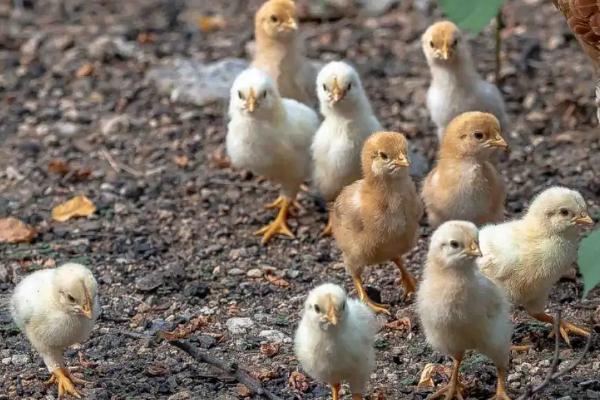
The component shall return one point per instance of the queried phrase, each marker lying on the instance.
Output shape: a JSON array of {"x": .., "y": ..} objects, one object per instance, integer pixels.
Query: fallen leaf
[
  {"x": 78, "y": 206},
  {"x": 426, "y": 380},
  {"x": 243, "y": 390},
  {"x": 264, "y": 374},
  {"x": 210, "y": 23},
  {"x": 13, "y": 230},
  {"x": 269, "y": 349},
  {"x": 275, "y": 280},
  {"x": 181, "y": 161},
  {"x": 184, "y": 330},
  {"x": 220, "y": 159},
  {"x": 298, "y": 382},
  {"x": 402, "y": 324},
  {"x": 145, "y": 38},
  {"x": 85, "y": 70},
  {"x": 59, "y": 167}
]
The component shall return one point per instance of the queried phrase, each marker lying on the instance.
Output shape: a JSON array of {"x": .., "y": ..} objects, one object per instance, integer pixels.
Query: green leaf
[
  {"x": 589, "y": 261},
  {"x": 471, "y": 15}
]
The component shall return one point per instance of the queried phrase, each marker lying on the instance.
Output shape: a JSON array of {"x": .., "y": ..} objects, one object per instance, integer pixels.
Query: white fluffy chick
[
  {"x": 334, "y": 341},
  {"x": 459, "y": 308},
  {"x": 528, "y": 256},
  {"x": 348, "y": 121},
  {"x": 57, "y": 308},
  {"x": 270, "y": 136},
  {"x": 456, "y": 87}
]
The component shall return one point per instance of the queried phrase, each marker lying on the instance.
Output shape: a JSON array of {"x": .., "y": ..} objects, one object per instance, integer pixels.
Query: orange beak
[
  {"x": 251, "y": 101},
  {"x": 473, "y": 250},
  {"x": 402, "y": 161},
  {"x": 445, "y": 53},
  {"x": 332, "y": 315},
  {"x": 584, "y": 219},
  {"x": 499, "y": 142},
  {"x": 86, "y": 309},
  {"x": 290, "y": 24},
  {"x": 337, "y": 92}
]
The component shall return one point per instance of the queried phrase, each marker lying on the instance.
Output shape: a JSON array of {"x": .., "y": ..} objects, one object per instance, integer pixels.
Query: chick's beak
[
  {"x": 584, "y": 219},
  {"x": 86, "y": 310},
  {"x": 499, "y": 141},
  {"x": 251, "y": 101},
  {"x": 402, "y": 161},
  {"x": 337, "y": 92},
  {"x": 291, "y": 24},
  {"x": 445, "y": 53},
  {"x": 332, "y": 315},
  {"x": 473, "y": 250}
]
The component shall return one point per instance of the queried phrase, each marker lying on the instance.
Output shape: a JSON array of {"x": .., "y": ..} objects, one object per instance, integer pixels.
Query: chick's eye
[
  {"x": 264, "y": 94},
  {"x": 383, "y": 155},
  {"x": 317, "y": 308},
  {"x": 432, "y": 44},
  {"x": 454, "y": 42},
  {"x": 478, "y": 135},
  {"x": 71, "y": 298},
  {"x": 454, "y": 244},
  {"x": 240, "y": 95},
  {"x": 564, "y": 212},
  {"x": 273, "y": 18},
  {"x": 349, "y": 86},
  {"x": 324, "y": 87}
]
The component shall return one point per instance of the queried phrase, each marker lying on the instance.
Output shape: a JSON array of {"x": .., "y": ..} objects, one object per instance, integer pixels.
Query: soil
[{"x": 172, "y": 239}]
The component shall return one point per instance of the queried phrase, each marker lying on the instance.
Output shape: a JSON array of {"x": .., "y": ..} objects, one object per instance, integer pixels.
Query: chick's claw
[
  {"x": 566, "y": 328},
  {"x": 62, "y": 378},
  {"x": 278, "y": 226},
  {"x": 452, "y": 391}
]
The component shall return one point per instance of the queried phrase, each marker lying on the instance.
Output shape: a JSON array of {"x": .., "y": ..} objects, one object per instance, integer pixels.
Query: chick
[
  {"x": 279, "y": 51},
  {"x": 528, "y": 256},
  {"x": 456, "y": 87},
  {"x": 465, "y": 184},
  {"x": 376, "y": 219},
  {"x": 57, "y": 308},
  {"x": 271, "y": 137},
  {"x": 349, "y": 120},
  {"x": 460, "y": 309},
  {"x": 334, "y": 341}
]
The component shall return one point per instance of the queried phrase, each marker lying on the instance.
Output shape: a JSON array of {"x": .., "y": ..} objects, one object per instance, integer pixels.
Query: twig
[
  {"x": 231, "y": 368},
  {"x": 554, "y": 373},
  {"x": 118, "y": 167}
]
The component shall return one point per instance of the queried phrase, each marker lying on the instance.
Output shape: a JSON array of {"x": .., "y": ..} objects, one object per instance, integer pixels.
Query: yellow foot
[
  {"x": 501, "y": 389},
  {"x": 335, "y": 391},
  {"x": 279, "y": 225},
  {"x": 65, "y": 382},
  {"x": 521, "y": 348},
  {"x": 278, "y": 203},
  {"x": 567, "y": 328},
  {"x": 450, "y": 391},
  {"x": 328, "y": 230},
  {"x": 408, "y": 280},
  {"x": 362, "y": 295}
]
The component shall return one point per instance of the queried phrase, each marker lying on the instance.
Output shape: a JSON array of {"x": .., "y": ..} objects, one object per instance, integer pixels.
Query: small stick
[
  {"x": 231, "y": 368},
  {"x": 113, "y": 163}
]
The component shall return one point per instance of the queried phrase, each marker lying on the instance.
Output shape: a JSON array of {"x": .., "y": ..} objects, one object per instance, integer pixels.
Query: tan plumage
[
  {"x": 465, "y": 184},
  {"x": 527, "y": 256},
  {"x": 583, "y": 17},
  {"x": 459, "y": 308},
  {"x": 376, "y": 219},
  {"x": 279, "y": 51}
]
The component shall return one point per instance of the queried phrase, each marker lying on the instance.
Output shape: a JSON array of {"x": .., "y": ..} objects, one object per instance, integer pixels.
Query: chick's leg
[
  {"x": 279, "y": 224},
  {"x": 62, "y": 378},
  {"x": 335, "y": 391},
  {"x": 565, "y": 327},
  {"x": 501, "y": 388},
  {"x": 453, "y": 389},
  {"x": 362, "y": 295},
  {"x": 328, "y": 230},
  {"x": 408, "y": 281}
]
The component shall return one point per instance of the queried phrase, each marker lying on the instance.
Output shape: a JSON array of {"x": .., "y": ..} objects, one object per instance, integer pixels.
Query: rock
[
  {"x": 105, "y": 48},
  {"x": 514, "y": 377},
  {"x": 66, "y": 128},
  {"x": 375, "y": 8},
  {"x": 239, "y": 325},
  {"x": 196, "y": 289},
  {"x": 565, "y": 398},
  {"x": 275, "y": 336},
  {"x": 115, "y": 124},
  {"x": 189, "y": 81},
  {"x": 235, "y": 272},
  {"x": 292, "y": 273},
  {"x": 6, "y": 361},
  {"x": 149, "y": 282},
  {"x": 20, "y": 359},
  {"x": 254, "y": 273},
  {"x": 592, "y": 394}
]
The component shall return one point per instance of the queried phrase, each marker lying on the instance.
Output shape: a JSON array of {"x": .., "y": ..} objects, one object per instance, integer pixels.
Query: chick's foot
[
  {"x": 364, "y": 297},
  {"x": 501, "y": 388},
  {"x": 454, "y": 389},
  {"x": 65, "y": 383},
  {"x": 565, "y": 328},
  {"x": 335, "y": 391},
  {"x": 279, "y": 225},
  {"x": 328, "y": 230},
  {"x": 408, "y": 280}
]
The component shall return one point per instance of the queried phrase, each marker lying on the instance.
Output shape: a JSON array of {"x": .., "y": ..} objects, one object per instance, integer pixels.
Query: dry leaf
[
  {"x": 298, "y": 382},
  {"x": 59, "y": 167},
  {"x": 13, "y": 230},
  {"x": 275, "y": 280},
  {"x": 208, "y": 23},
  {"x": 426, "y": 380},
  {"x": 220, "y": 159},
  {"x": 243, "y": 390},
  {"x": 145, "y": 38},
  {"x": 264, "y": 374},
  {"x": 78, "y": 206},
  {"x": 181, "y": 161},
  {"x": 402, "y": 324},
  {"x": 183, "y": 331},
  {"x": 85, "y": 70},
  {"x": 269, "y": 349}
]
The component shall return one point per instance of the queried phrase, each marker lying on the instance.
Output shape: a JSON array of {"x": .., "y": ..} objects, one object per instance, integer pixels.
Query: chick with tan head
[
  {"x": 528, "y": 256},
  {"x": 376, "y": 219},
  {"x": 460, "y": 309},
  {"x": 334, "y": 340},
  {"x": 465, "y": 184},
  {"x": 456, "y": 87},
  {"x": 279, "y": 51},
  {"x": 56, "y": 308}
]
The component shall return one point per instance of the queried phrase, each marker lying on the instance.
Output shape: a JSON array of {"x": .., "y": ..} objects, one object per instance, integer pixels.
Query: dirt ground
[{"x": 171, "y": 240}]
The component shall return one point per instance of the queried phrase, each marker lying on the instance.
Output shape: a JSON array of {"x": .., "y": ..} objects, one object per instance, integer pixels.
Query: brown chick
[
  {"x": 465, "y": 185},
  {"x": 376, "y": 219},
  {"x": 279, "y": 51}
]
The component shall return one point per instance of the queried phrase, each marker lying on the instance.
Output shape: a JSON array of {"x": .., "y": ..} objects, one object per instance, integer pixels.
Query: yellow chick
[
  {"x": 376, "y": 219},
  {"x": 460, "y": 309},
  {"x": 465, "y": 184},
  {"x": 528, "y": 256},
  {"x": 456, "y": 87},
  {"x": 279, "y": 51}
]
